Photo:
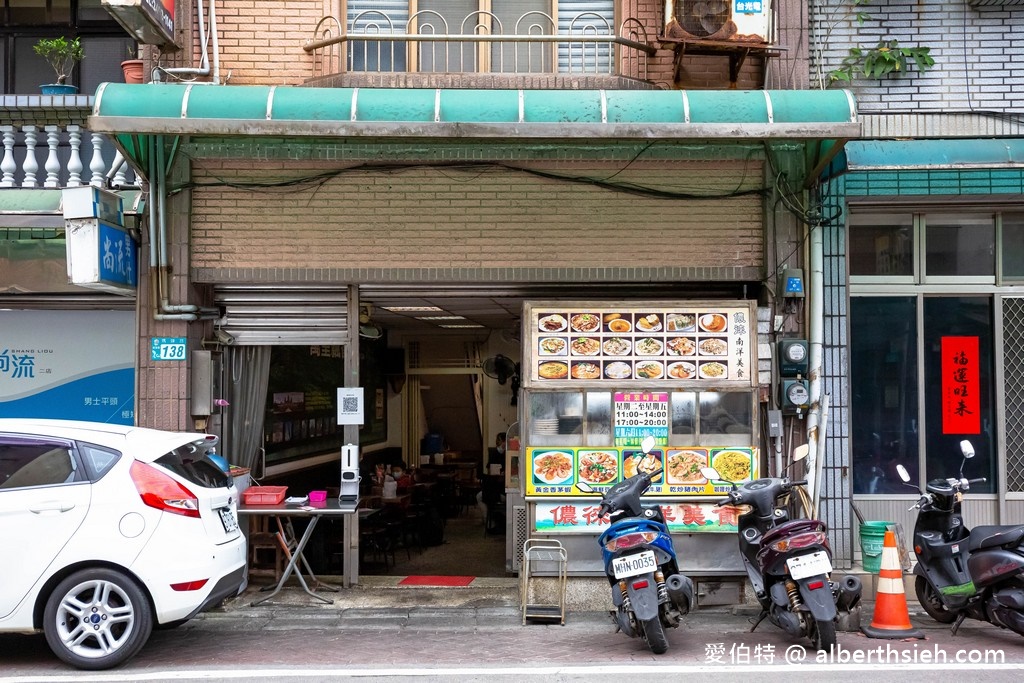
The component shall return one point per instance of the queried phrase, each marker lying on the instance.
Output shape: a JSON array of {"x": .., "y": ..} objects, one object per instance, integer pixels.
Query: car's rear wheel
[{"x": 97, "y": 619}]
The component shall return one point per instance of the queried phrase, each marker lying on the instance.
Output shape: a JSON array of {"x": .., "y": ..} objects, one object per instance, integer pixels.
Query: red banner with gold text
[{"x": 961, "y": 386}]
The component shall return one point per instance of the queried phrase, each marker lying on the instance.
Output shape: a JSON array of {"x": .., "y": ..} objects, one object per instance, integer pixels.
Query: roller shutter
[{"x": 283, "y": 315}]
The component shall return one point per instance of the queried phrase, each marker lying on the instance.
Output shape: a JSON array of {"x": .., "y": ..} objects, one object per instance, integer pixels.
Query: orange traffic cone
[{"x": 891, "y": 620}]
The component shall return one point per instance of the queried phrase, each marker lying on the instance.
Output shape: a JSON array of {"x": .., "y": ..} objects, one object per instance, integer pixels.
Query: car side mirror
[
  {"x": 967, "y": 449},
  {"x": 801, "y": 452},
  {"x": 585, "y": 487},
  {"x": 647, "y": 445},
  {"x": 904, "y": 475}
]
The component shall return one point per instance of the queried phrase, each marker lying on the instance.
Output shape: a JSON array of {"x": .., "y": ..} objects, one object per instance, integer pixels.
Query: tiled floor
[{"x": 466, "y": 551}]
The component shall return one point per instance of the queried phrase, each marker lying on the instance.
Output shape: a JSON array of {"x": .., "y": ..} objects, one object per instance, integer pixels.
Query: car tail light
[
  {"x": 189, "y": 585},
  {"x": 815, "y": 585},
  {"x": 799, "y": 541},
  {"x": 640, "y": 585},
  {"x": 163, "y": 493},
  {"x": 632, "y": 540}
]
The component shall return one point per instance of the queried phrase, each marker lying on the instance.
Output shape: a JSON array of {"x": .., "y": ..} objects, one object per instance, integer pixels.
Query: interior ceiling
[{"x": 499, "y": 307}]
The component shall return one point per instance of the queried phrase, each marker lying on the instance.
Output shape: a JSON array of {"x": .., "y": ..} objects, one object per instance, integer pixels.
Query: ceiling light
[
  {"x": 412, "y": 309},
  {"x": 440, "y": 317},
  {"x": 455, "y": 327}
]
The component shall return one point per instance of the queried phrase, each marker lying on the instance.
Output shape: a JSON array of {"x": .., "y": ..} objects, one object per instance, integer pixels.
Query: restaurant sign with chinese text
[
  {"x": 554, "y": 472},
  {"x": 698, "y": 343},
  {"x": 581, "y": 517}
]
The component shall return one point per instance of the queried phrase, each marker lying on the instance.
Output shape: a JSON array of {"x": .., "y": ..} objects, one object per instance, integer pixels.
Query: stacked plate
[{"x": 546, "y": 426}]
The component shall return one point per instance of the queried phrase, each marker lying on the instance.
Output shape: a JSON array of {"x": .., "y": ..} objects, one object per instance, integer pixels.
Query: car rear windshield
[{"x": 192, "y": 462}]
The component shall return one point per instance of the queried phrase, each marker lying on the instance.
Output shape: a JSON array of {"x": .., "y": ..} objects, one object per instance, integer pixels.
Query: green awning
[{"x": 707, "y": 115}]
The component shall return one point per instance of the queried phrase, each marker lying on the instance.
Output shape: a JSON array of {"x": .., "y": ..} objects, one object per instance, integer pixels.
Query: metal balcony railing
[{"x": 535, "y": 44}]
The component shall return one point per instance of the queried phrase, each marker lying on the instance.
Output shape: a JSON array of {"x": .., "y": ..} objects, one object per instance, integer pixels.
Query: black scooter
[
  {"x": 961, "y": 572},
  {"x": 789, "y": 562}
]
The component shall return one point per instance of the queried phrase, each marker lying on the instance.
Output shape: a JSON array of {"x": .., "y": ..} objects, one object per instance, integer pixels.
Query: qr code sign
[{"x": 350, "y": 405}]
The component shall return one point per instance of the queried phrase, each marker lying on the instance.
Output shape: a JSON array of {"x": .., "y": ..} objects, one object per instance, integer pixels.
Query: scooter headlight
[
  {"x": 631, "y": 540},
  {"x": 799, "y": 541}
]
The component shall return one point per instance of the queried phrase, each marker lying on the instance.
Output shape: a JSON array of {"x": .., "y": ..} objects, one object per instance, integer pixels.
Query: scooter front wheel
[
  {"x": 654, "y": 634},
  {"x": 931, "y": 602}
]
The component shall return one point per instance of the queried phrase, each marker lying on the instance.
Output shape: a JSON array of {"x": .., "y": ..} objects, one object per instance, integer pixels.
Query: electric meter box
[
  {"x": 793, "y": 357},
  {"x": 796, "y": 396}
]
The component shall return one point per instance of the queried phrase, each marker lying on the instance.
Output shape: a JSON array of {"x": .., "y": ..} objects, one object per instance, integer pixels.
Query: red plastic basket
[{"x": 264, "y": 495}]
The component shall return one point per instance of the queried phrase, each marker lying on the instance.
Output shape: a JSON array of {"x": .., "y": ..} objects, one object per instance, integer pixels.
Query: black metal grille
[{"x": 1013, "y": 386}]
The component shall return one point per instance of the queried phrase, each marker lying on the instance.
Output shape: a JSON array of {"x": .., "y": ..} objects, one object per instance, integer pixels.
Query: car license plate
[
  {"x": 802, "y": 566},
  {"x": 227, "y": 518},
  {"x": 631, "y": 565}
]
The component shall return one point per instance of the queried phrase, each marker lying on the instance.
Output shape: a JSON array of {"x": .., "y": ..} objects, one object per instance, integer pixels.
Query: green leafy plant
[
  {"x": 885, "y": 58},
  {"x": 61, "y": 54}
]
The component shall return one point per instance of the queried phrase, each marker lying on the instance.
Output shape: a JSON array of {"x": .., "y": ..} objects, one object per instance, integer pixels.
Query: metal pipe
[
  {"x": 816, "y": 324},
  {"x": 204, "y": 40}
]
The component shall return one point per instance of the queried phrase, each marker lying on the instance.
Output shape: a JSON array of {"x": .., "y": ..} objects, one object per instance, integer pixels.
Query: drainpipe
[
  {"x": 816, "y": 323},
  {"x": 158, "y": 262},
  {"x": 204, "y": 39}
]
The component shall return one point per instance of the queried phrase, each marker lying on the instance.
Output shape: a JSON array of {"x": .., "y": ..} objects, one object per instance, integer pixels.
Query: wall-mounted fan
[
  {"x": 503, "y": 369},
  {"x": 367, "y": 328}
]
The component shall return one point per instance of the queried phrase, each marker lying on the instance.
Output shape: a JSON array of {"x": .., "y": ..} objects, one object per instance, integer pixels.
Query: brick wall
[
  {"x": 478, "y": 217},
  {"x": 261, "y": 44},
  {"x": 978, "y": 55}
]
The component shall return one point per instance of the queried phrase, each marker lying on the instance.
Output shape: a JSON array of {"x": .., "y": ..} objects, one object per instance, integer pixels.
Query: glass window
[
  {"x": 98, "y": 460},
  {"x": 1013, "y": 246},
  {"x": 25, "y": 463},
  {"x": 556, "y": 418},
  {"x": 882, "y": 244},
  {"x": 684, "y": 418},
  {"x": 39, "y": 11},
  {"x": 599, "y": 418},
  {"x": 726, "y": 418},
  {"x": 959, "y": 244},
  {"x": 192, "y": 462},
  {"x": 883, "y": 401},
  {"x": 958, "y": 370}
]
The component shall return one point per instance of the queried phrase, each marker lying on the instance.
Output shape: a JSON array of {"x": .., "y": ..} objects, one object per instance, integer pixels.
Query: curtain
[{"x": 248, "y": 370}]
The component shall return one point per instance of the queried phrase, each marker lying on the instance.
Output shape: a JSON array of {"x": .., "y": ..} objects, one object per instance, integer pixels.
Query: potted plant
[
  {"x": 62, "y": 55},
  {"x": 132, "y": 66}
]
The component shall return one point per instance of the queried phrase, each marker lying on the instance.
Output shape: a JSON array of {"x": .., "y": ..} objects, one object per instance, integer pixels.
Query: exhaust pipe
[
  {"x": 849, "y": 593},
  {"x": 680, "y": 592}
]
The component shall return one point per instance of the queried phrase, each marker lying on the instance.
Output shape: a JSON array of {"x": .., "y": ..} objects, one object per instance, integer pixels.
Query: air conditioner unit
[{"x": 738, "y": 21}]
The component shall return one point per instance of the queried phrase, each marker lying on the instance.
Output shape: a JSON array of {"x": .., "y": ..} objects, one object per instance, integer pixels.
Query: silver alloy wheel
[{"x": 97, "y": 618}]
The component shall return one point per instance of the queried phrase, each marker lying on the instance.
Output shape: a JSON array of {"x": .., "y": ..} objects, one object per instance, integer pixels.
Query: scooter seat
[{"x": 995, "y": 536}]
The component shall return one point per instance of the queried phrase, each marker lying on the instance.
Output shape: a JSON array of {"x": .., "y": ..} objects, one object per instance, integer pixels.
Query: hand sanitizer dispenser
[{"x": 349, "y": 474}]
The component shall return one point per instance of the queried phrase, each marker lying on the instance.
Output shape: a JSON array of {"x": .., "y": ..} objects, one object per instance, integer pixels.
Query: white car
[{"x": 109, "y": 531}]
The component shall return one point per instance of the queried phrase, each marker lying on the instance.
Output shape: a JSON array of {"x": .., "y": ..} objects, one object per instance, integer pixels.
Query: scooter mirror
[
  {"x": 800, "y": 452},
  {"x": 647, "y": 445},
  {"x": 585, "y": 487},
  {"x": 710, "y": 473},
  {"x": 967, "y": 449},
  {"x": 904, "y": 475}
]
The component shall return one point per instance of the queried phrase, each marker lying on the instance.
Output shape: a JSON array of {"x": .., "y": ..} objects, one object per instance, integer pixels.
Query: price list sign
[{"x": 639, "y": 414}]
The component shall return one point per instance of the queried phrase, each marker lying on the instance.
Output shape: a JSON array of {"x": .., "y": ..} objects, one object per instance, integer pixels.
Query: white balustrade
[{"x": 63, "y": 161}]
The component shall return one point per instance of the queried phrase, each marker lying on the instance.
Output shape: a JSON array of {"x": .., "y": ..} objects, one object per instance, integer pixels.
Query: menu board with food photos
[
  {"x": 703, "y": 342},
  {"x": 556, "y": 471}
]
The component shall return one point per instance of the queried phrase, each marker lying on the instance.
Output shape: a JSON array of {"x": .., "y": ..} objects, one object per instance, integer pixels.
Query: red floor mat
[{"x": 436, "y": 581}]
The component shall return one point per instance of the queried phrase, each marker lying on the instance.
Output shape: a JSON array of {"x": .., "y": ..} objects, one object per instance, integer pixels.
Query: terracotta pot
[{"x": 132, "y": 70}]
